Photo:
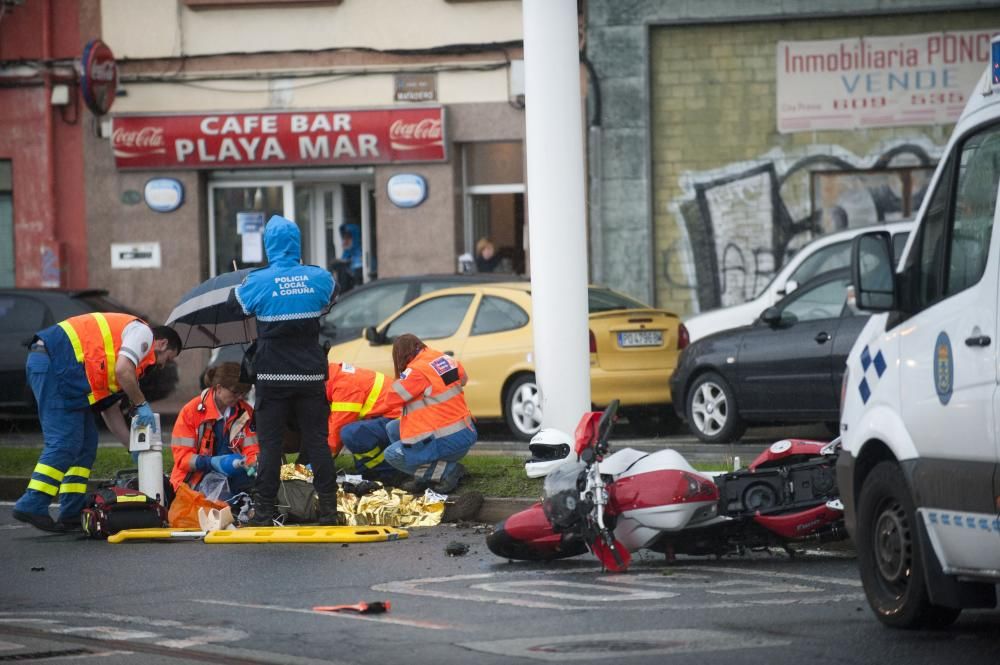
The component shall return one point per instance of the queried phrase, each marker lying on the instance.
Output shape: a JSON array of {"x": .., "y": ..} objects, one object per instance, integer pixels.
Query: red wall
[{"x": 45, "y": 143}]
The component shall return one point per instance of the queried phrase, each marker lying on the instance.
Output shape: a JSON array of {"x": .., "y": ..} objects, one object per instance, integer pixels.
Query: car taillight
[
  {"x": 683, "y": 338},
  {"x": 593, "y": 342}
]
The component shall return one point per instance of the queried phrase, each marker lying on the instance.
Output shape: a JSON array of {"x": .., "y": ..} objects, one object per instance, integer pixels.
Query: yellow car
[{"x": 633, "y": 348}]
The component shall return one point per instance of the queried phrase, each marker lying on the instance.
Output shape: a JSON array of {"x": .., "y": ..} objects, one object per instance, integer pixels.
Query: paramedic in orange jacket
[
  {"x": 214, "y": 438},
  {"x": 436, "y": 429},
  {"x": 361, "y": 405},
  {"x": 76, "y": 368}
]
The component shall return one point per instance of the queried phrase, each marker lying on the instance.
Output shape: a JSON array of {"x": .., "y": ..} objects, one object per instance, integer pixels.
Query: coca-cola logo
[
  {"x": 426, "y": 131},
  {"x": 137, "y": 142},
  {"x": 99, "y": 82},
  {"x": 103, "y": 71}
]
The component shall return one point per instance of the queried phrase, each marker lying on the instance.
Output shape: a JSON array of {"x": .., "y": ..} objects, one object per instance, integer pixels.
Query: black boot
[
  {"x": 328, "y": 509},
  {"x": 264, "y": 512}
]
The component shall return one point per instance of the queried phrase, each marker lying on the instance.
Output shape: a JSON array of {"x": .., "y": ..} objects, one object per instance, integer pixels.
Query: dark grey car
[
  {"x": 784, "y": 368},
  {"x": 23, "y": 312}
]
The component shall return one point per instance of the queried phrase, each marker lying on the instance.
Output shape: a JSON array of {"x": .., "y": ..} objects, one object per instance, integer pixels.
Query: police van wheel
[
  {"x": 711, "y": 409},
  {"x": 522, "y": 407},
  {"x": 888, "y": 546}
]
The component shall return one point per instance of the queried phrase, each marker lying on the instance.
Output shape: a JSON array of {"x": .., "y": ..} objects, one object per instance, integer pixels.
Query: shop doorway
[
  {"x": 321, "y": 208},
  {"x": 342, "y": 227}
]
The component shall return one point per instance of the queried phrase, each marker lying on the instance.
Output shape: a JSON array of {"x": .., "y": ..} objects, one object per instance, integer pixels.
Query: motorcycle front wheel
[{"x": 503, "y": 544}]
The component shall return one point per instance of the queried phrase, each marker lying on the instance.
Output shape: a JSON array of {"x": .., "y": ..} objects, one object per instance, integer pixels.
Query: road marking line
[
  {"x": 774, "y": 573},
  {"x": 410, "y": 587},
  {"x": 623, "y": 645},
  {"x": 105, "y": 632},
  {"x": 485, "y": 581},
  {"x": 204, "y": 635},
  {"x": 519, "y": 586},
  {"x": 343, "y": 615},
  {"x": 701, "y": 582}
]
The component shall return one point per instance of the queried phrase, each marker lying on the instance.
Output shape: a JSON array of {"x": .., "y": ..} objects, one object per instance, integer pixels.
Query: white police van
[{"x": 920, "y": 470}]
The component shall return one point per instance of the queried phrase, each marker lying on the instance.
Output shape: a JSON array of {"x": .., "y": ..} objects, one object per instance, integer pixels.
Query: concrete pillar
[{"x": 556, "y": 208}]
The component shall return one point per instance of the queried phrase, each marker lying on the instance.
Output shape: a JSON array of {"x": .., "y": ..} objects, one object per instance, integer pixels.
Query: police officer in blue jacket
[{"x": 289, "y": 365}]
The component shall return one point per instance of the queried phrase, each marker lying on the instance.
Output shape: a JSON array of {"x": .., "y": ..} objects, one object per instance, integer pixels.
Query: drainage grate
[{"x": 41, "y": 655}]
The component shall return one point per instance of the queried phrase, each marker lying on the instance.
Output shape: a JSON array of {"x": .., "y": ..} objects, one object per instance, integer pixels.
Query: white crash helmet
[{"x": 549, "y": 449}]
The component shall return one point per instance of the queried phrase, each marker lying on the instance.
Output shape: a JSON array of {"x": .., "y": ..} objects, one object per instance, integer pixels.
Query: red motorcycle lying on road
[{"x": 630, "y": 500}]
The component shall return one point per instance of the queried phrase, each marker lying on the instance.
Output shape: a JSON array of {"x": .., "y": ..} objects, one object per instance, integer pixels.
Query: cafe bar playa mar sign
[{"x": 299, "y": 138}]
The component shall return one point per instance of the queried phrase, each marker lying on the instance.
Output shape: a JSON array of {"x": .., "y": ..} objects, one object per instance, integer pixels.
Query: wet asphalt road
[{"x": 187, "y": 602}]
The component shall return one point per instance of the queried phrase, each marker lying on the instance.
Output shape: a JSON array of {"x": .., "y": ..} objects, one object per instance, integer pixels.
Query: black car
[
  {"x": 23, "y": 312},
  {"x": 784, "y": 368}
]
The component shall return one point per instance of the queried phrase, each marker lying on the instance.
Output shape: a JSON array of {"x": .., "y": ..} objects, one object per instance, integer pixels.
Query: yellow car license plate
[{"x": 640, "y": 338}]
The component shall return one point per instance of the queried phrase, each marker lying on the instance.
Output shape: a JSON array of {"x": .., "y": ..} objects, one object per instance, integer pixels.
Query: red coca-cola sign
[
  {"x": 99, "y": 81},
  {"x": 294, "y": 138}
]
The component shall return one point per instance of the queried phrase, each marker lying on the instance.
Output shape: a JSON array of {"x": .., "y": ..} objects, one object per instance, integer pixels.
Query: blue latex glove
[
  {"x": 144, "y": 416},
  {"x": 227, "y": 465}
]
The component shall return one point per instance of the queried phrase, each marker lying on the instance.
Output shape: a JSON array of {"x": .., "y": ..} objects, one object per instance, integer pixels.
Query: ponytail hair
[{"x": 404, "y": 349}]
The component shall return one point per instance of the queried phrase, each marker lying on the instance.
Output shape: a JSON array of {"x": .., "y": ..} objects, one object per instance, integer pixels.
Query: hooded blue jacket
[
  {"x": 353, "y": 255},
  {"x": 288, "y": 299}
]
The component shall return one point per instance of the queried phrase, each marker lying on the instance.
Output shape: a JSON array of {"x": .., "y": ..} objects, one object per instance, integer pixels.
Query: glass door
[
  {"x": 341, "y": 229},
  {"x": 238, "y": 211}
]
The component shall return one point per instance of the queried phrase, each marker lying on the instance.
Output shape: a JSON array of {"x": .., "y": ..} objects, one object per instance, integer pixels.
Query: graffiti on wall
[{"x": 742, "y": 222}]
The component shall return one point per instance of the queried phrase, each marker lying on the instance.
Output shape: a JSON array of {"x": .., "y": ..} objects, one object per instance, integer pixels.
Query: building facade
[
  {"x": 399, "y": 123},
  {"x": 731, "y": 133},
  {"x": 43, "y": 239}
]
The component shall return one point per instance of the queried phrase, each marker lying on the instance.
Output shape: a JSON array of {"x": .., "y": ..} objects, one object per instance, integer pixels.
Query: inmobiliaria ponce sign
[
  {"x": 243, "y": 140},
  {"x": 879, "y": 81}
]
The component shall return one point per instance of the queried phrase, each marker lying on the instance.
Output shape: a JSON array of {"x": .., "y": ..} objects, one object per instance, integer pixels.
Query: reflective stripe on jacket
[
  {"x": 356, "y": 393},
  {"x": 434, "y": 404},
  {"x": 194, "y": 434},
  {"x": 85, "y": 349}
]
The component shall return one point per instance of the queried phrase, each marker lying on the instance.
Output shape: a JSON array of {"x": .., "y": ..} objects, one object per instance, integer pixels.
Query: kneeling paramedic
[
  {"x": 361, "y": 405},
  {"x": 435, "y": 430},
  {"x": 289, "y": 365},
  {"x": 214, "y": 442},
  {"x": 77, "y": 367}
]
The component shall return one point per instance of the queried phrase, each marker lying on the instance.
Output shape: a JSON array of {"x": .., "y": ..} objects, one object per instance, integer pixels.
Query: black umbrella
[{"x": 205, "y": 319}]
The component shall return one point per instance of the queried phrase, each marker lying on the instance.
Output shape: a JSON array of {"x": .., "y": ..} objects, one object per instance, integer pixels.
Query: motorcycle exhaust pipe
[{"x": 831, "y": 534}]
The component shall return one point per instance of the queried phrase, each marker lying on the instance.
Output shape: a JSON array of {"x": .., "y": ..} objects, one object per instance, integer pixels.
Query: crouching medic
[
  {"x": 214, "y": 441},
  {"x": 360, "y": 408}
]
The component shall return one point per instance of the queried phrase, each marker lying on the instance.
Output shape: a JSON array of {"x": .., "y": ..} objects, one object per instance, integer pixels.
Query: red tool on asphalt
[{"x": 374, "y": 607}]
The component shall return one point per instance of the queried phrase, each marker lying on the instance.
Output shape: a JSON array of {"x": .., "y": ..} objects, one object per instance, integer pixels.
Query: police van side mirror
[{"x": 873, "y": 273}]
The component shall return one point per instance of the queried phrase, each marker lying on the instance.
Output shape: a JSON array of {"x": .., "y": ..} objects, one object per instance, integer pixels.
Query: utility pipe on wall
[
  {"x": 49, "y": 235},
  {"x": 556, "y": 208}
]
